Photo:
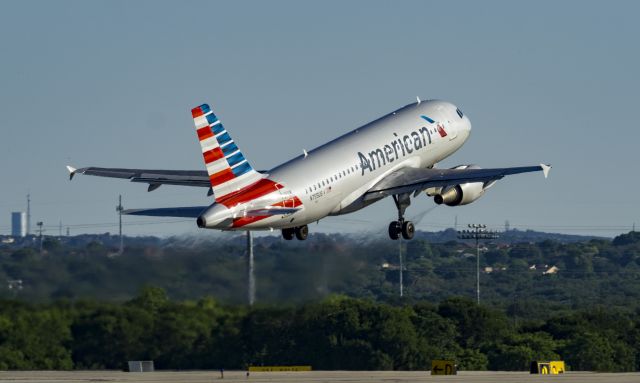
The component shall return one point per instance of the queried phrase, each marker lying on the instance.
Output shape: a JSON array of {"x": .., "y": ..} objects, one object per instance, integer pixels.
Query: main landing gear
[
  {"x": 401, "y": 227},
  {"x": 300, "y": 232}
]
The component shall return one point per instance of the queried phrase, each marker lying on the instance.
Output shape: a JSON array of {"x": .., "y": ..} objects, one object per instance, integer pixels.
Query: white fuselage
[{"x": 333, "y": 178}]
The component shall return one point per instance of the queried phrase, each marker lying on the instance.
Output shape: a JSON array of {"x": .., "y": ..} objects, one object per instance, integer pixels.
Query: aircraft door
[{"x": 447, "y": 123}]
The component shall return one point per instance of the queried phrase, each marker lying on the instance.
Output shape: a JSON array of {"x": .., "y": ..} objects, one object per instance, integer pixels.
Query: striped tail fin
[{"x": 227, "y": 167}]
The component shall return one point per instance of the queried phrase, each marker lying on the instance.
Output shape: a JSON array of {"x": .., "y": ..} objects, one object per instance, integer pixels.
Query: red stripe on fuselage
[
  {"x": 239, "y": 222},
  {"x": 251, "y": 192},
  {"x": 289, "y": 202},
  {"x": 212, "y": 155}
]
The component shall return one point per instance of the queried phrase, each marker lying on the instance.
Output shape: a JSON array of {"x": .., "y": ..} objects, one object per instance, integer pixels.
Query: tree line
[
  {"x": 336, "y": 333},
  {"x": 593, "y": 272}
]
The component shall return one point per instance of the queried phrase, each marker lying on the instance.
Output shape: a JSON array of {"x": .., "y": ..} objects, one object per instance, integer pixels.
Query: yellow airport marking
[
  {"x": 443, "y": 367},
  {"x": 553, "y": 367},
  {"x": 278, "y": 368},
  {"x": 557, "y": 367}
]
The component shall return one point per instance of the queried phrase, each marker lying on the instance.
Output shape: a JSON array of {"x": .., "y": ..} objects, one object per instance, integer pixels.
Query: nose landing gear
[
  {"x": 401, "y": 227},
  {"x": 300, "y": 232}
]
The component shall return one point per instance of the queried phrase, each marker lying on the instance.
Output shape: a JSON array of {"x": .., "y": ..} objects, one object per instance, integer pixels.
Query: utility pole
[
  {"x": 40, "y": 224},
  {"x": 477, "y": 232},
  {"x": 60, "y": 229},
  {"x": 28, "y": 214},
  {"x": 401, "y": 265},
  {"x": 251, "y": 282},
  {"x": 119, "y": 209}
]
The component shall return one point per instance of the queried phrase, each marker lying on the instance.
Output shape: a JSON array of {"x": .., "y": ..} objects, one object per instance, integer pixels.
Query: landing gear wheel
[
  {"x": 288, "y": 233},
  {"x": 302, "y": 232},
  {"x": 394, "y": 230},
  {"x": 408, "y": 230}
]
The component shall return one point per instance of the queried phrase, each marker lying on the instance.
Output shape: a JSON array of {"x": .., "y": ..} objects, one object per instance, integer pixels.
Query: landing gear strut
[
  {"x": 406, "y": 228},
  {"x": 300, "y": 232}
]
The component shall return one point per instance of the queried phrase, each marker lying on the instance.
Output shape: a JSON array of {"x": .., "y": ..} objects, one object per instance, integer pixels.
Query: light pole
[
  {"x": 401, "y": 265},
  {"x": 120, "y": 209},
  {"x": 477, "y": 232},
  {"x": 251, "y": 279}
]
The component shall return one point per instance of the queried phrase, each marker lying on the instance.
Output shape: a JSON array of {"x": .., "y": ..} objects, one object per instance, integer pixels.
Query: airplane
[{"x": 395, "y": 155}]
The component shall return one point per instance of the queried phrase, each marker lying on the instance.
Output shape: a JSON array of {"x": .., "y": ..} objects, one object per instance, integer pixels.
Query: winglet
[
  {"x": 545, "y": 169},
  {"x": 72, "y": 171}
]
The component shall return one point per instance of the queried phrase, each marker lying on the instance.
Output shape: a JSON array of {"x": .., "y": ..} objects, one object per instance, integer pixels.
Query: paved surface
[{"x": 301, "y": 377}]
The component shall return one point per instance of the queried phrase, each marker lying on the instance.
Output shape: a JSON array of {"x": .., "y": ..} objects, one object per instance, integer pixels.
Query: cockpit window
[{"x": 459, "y": 112}]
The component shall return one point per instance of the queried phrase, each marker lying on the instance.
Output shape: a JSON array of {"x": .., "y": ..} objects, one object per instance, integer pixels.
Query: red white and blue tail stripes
[{"x": 228, "y": 169}]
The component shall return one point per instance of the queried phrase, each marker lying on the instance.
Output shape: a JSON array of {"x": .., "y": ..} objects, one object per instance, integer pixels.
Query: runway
[{"x": 301, "y": 377}]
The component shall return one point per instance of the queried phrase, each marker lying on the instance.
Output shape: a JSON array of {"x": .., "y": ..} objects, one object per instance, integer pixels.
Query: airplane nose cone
[{"x": 466, "y": 125}]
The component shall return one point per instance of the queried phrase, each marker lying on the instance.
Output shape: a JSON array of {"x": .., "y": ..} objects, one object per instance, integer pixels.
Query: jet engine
[{"x": 462, "y": 194}]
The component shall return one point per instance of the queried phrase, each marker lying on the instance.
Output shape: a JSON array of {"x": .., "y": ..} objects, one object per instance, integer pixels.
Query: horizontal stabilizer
[
  {"x": 184, "y": 212},
  {"x": 270, "y": 212}
]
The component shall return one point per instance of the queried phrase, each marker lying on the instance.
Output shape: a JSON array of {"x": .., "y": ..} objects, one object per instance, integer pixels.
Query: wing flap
[{"x": 414, "y": 180}]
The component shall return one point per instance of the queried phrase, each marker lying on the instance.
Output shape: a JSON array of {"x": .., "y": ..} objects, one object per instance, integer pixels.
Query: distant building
[{"x": 18, "y": 224}]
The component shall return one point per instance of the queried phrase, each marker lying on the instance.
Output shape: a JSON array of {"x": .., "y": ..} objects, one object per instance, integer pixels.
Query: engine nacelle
[{"x": 462, "y": 194}]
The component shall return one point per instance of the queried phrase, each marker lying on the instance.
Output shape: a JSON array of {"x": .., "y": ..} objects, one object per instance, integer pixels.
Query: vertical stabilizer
[{"x": 228, "y": 169}]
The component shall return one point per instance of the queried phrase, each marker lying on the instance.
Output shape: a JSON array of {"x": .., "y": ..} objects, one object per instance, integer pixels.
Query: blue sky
[{"x": 97, "y": 83}]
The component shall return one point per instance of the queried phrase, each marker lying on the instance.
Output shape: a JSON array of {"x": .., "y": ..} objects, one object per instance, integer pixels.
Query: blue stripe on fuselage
[{"x": 427, "y": 119}]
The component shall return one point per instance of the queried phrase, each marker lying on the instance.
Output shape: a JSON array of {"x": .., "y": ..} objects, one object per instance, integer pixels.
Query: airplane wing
[
  {"x": 154, "y": 178},
  {"x": 416, "y": 180}
]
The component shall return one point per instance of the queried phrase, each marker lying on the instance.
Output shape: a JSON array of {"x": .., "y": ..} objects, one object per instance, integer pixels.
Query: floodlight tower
[
  {"x": 477, "y": 232},
  {"x": 28, "y": 214}
]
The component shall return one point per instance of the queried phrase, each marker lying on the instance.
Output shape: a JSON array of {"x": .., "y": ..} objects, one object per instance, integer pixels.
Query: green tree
[{"x": 519, "y": 350}]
